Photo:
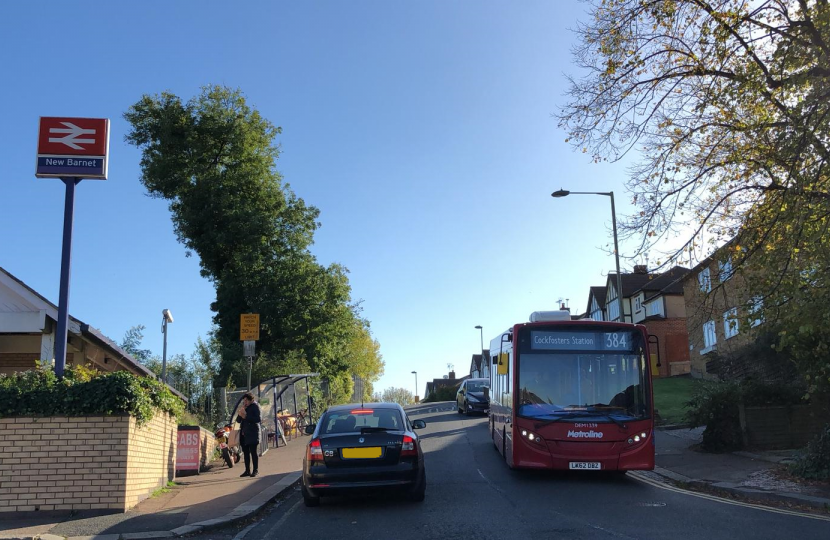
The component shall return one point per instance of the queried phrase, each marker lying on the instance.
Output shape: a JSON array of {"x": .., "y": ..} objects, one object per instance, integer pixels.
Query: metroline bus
[{"x": 572, "y": 394}]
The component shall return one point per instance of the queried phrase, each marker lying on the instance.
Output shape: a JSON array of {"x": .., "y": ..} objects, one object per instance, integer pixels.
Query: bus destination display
[{"x": 566, "y": 340}]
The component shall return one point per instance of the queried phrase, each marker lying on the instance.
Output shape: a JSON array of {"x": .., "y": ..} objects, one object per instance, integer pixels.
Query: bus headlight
[{"x": 532, "y": 437}]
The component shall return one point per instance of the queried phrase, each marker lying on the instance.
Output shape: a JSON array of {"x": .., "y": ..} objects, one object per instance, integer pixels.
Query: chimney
[
  {"x": 563, "y": 307},
  {"x": 640, "y": 269},
  {"x": 452, "y": 374}
]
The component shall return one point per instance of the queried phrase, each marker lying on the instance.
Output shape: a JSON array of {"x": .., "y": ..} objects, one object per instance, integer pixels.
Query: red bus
[{"x": 572, "y": 395}]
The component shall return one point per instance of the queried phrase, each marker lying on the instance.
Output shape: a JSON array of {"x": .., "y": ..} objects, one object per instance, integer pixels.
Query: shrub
[
  {"x": 814, "y": 463},
  {"x": 716, "y": 407},
  {"x": 84, "y": 391}
]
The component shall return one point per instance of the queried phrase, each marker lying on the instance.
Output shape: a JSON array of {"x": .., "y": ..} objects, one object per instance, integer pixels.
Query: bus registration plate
[{"x": 585, "y": 465}]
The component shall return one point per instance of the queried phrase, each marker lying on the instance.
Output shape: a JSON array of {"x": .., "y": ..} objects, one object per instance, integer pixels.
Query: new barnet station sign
[{"x": 72, "y": 147}]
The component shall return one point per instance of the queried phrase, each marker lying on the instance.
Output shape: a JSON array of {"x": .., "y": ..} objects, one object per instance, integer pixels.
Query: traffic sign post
[
  {"x": 249, "y": 335},
  {"x": 70, "y": 149}
]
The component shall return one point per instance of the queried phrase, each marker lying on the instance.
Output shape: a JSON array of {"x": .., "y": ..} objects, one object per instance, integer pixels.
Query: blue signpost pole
[{"x": 66, "y": 263}]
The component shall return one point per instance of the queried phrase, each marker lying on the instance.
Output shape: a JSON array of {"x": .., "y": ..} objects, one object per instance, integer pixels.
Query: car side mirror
[
  {"x": 309, "y": 429},
  {"x": 419, "y": 424},
  {"x": 486, "y": 393}
]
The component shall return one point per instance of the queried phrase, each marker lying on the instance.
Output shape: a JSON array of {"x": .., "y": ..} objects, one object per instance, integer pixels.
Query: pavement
[
  {"x": 219, "y": 497},
  {"x": 216, "y": 498},
  {"x": 752, "y": 475}
]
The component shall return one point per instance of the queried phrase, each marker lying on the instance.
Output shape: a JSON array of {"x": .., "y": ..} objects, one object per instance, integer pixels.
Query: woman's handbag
[{"x": 233, "y": 437}]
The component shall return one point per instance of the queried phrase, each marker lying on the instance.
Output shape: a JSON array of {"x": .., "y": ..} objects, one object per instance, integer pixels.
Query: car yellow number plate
[{"x": 372, "y": 452}]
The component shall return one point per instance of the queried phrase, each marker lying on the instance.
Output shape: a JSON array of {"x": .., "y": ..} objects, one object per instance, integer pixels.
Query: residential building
[
  {"x": 597, "y": 309},
  {"x": 717, "y": 303},
  {"x": 659, "y": 305},
  {"x": 631, "y": 283},
  {"x": 28, "y": 326},
  {"x": 654, "y": 300},
  {"x": 480, "y": 365}
]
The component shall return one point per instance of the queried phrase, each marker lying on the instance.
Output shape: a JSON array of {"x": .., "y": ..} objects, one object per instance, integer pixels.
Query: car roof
[{"x": 372, "y": 406}]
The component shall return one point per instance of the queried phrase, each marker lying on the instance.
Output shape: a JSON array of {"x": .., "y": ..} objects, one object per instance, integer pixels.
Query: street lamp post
[
  {"x": 481, "y": 331},
  {"x": 167, "y": 317},
  {"x": 564, "y": 193},
  {"x": 416, "y": 385}
]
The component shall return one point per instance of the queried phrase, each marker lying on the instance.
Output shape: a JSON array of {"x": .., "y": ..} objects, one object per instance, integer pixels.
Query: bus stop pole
[
  {"x": 294, "y": 390},
  {"x": 308, "y": 398}
]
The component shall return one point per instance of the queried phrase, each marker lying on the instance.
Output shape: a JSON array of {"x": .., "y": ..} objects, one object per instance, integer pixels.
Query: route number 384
[{"x": 615, "y": 341}]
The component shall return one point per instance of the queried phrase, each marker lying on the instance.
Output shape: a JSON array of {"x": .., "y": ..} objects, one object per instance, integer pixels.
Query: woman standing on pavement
[{"x": 249, "y": 419}]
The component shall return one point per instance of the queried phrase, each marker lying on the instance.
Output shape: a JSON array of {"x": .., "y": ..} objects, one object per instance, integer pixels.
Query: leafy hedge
[
  {"x": 444, "y": 393},
  {"x": 715, "y": 406},
  {"x": 814, "y": 463},
  {"x": 85, "y": 392}
]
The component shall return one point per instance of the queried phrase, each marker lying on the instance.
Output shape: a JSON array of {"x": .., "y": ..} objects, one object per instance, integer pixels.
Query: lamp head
[
  {"x": 560, "y": 193},
  {"x": 478, "y": 327},
  {"x": 167, "y": 315}
]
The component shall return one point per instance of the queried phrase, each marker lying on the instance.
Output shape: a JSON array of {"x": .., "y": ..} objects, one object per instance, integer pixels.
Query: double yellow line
[{"x": 646, "y": 480}]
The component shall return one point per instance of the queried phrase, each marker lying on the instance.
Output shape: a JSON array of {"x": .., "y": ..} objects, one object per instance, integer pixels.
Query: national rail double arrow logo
[{"x": 72, "y": 133}]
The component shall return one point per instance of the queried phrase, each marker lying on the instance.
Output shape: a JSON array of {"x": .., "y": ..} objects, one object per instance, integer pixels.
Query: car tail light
[
  {"x": 315, "y": 451},
  {"x": 408, "y": 447}
]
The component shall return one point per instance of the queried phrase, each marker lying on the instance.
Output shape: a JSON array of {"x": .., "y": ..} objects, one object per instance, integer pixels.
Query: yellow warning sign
[{"x": 249, "y": 327}]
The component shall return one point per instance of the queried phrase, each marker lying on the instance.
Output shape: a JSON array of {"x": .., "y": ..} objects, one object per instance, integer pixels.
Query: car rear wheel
[
  {"x": 309, "y": 500},
  {"x": 419, "y": 492}
]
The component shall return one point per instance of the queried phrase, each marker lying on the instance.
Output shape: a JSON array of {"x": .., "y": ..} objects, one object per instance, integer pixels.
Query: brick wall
[
  {"x": 83, "y": 463},
  {"x": 151, "y": 457},
  {"x": 674, "y": 344},
  {"x": 208, "y": 446},
  {"x": 14, "y": 362}
]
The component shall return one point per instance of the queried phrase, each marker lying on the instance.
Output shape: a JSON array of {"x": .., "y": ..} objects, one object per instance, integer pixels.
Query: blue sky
[{"x": 422, "y": 131}]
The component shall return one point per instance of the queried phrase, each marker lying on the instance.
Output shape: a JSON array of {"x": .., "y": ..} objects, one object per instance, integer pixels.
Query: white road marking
[
  {"x": 245, "y": 531},
  {"x": 661, "y": 485},
  {"x": 278, "y": 524}
]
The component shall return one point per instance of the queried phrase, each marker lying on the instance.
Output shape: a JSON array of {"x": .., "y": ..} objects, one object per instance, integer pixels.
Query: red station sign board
[{"x": 72, "y": 147}]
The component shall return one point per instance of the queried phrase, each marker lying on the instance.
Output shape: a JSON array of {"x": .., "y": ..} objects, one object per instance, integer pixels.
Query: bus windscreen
[{"x": 582, "y": 373}]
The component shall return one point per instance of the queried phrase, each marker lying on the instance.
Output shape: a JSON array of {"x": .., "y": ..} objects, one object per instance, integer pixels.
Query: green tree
[
  {"x": 362, "y": 355},
  {"x": 213, "y": 158},
  {"x": 401, "y": 396},
  {"x": 132, "y": 344},
  {"x": 726, "y": 105}
]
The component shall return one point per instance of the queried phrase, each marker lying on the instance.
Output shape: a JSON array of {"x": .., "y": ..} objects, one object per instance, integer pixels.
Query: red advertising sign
[{"x": 188, "y": 450}]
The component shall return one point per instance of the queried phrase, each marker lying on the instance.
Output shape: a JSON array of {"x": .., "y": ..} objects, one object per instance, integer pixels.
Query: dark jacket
[{"x": 250, "y": 425}]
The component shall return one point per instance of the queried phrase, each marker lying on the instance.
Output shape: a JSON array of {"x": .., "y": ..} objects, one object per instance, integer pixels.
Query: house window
[
  {"x": 730, "y": 323},
  {"x": 637, "y": 304},
  {"x": 756, "y": 311},
  {"x": 704, "y": 281},
  {"x": 725, "y": 269},
  {"x": 709, "y": 337}
]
